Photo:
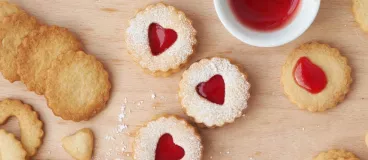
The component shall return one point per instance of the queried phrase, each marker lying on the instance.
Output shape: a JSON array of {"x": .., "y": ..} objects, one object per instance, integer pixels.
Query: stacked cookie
[{"x": 49, "y": 61}]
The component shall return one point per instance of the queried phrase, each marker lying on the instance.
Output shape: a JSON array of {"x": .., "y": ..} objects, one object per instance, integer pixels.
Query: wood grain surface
[{"x": 272, "y": 129}]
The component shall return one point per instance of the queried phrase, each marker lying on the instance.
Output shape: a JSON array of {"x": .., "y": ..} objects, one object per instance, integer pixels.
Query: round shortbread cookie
[
  {"x": 7, "y": 9},
  {"x": 336, "y": 155},
  {"x": 29, "y": 123},
  {"x": 360, "y": 11},
  {"x": 336, "y": 70},
  {"x": 37, "y": 52},
  {"x": 77, "y": 87},
  {"x": 12, "y": 31},
  {"x": 10, "y": 147}
]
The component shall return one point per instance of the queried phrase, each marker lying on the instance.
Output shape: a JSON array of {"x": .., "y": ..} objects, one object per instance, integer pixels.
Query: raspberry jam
[
  {"x": 264, "y": 15},
  {"x": 309, "y": 76},
  {"x": 213, "y": 90},
  {"x": 167, "y": 150},
  {"x": 160, "y": 39}
]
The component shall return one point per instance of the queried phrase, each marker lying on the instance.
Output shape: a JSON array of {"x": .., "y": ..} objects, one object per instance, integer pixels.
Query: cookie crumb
[{"x": 153, "y": 95}]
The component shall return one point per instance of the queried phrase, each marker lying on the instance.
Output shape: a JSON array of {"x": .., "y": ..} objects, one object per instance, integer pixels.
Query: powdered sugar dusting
[
  {"x": 183, "y": 135},
  {"x": 236, "y": 92},
  {"x": 167, "y": 17},
  {"x": 115, "y": 135}
]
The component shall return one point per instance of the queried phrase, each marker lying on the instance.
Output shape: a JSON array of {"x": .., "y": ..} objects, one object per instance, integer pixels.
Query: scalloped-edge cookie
[
  {"x": 29, "y": 123},
  {"x": 10, "y": 147},
  {"x": 37, "y": 52},
  {"x": 160, "y": 38},
  {"x": 214, "y": 91},
  {"x": 77, "y": 86},
  {"x": 80, "y": 144},
  {"x": 167, "y": 137},
  {"x": 12, "y": 31},
  {"x": 336, "y": 154},
  {"x": 316, "y": 77},
  {"x": 360, "y": 11}
]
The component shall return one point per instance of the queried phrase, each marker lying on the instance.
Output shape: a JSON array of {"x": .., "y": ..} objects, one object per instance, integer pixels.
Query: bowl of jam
[{"x": 267, "y": 23}]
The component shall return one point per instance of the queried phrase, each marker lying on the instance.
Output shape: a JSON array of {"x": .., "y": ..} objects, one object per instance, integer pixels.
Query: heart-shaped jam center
[
  {"x": 309, "y": 76},
  {"x": 213, "y": 90},
  {"x": 167, "y": 150},
  {"x": 160, "y": 39}
]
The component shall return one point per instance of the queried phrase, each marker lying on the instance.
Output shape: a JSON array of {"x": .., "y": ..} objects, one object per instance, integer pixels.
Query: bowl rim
[{"x": 308, "y": 10}]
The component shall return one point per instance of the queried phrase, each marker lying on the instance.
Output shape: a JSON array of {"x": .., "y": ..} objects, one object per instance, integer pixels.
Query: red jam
[
  {"x": 160, "y": 39},
  {"x": 264, "y": 15},
  {"x": 309, "y": 76},
  {"x": 213, "y": 90},
  {"x": 167, "y": 150}
]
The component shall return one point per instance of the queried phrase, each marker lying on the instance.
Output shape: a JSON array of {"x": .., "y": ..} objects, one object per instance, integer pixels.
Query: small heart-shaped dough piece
[
  {"x": 80, "y": 144},
  {"x": 10, "y": 148}
]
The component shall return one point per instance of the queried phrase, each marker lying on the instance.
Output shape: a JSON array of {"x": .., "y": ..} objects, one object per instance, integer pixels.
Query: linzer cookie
[
  {"x": 316, "y": 77},
  {"x": 160, "y": 38},
  {"x": 167, "y": 138},
  {"x": 214, "y": 92}
]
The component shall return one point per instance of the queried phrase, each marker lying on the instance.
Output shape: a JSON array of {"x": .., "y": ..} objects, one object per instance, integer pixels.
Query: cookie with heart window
[
  {"x": 160, "y": 38},
  {"x": 214, "y": 91},
  {"x": 167, "y": 138},
  {"x": 316, "y": 77}
]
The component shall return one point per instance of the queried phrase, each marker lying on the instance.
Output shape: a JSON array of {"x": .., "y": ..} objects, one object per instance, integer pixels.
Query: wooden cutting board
[{"x": 273, "y": 128}]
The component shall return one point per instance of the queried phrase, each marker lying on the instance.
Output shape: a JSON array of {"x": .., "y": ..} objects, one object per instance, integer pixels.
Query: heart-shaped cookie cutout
[
  {"x": 167, "y": 150},
  {"x": 309, "y": 76},
  {"x": 213, "y": 90},
  {"x": 160, "y": 39}
]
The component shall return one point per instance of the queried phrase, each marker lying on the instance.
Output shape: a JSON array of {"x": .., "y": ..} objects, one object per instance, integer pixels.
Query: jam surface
[
  {"x": 213, "y": 90},
  {"x": 160, "y": 39},
  {"x": 167, "y": 150},
  {"x": 264, "y": 15},
  {"x": 309, "y": 76}
]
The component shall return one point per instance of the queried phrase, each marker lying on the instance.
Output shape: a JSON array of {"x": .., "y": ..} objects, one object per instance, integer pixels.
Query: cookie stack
[{"x": 49, "y": 61}]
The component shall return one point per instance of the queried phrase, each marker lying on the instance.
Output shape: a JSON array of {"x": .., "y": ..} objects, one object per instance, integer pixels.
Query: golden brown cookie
[
  {"x": 10, "y": 147},
  {"x": 38, "y": 50},
  {"x": 160, "y": 38},
  {"x": 80, "y": 144},
  {"x": 336, "y": 155},
  {"x": 12, "y": 31},
  {"x": 360, "y": 11},
  {"x": 316, "y": 77},
  {"x": 77, "y": 87},
  {"x": 7, "y": 9},
  {"x": 29, "y": 123}
]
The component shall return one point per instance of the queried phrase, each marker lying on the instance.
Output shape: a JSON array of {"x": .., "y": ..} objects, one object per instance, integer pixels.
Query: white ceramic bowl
[{"x": 304, "y": 17}]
